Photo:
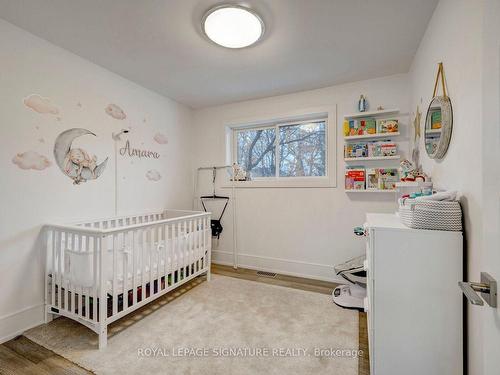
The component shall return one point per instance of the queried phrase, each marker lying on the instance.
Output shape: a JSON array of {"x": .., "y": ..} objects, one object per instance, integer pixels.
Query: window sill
[{"x": 320, "y": 182}]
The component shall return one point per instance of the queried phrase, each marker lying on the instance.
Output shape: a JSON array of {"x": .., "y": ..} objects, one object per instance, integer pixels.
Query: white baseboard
[
  {"x": 283, "y": 266},
  {"x": 16, "y": 323}
]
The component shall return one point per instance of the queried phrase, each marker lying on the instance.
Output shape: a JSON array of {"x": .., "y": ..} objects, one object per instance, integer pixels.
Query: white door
[{"x": 490, "y": 253}]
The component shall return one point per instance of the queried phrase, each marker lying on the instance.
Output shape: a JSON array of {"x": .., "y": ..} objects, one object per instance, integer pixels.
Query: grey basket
[{"x": 427, "y": 214}]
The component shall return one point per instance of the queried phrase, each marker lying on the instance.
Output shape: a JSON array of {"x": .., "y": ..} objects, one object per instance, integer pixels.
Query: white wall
[
  {"x": 301, "y": 231},
  {"x": 31, "y": 198},
  {"x": 454, "y": 37},
  {"x": 490, "y": 254}
]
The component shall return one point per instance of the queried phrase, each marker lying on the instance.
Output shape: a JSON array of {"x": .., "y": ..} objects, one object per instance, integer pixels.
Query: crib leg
[
  {"x": 103, "y": 338},
  {"x": 209, "y": 274},
  {"x": 48, "y": 316}
]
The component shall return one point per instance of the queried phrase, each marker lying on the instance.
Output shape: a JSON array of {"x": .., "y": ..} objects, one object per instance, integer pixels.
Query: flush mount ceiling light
[{"x": 233, "y": 26}]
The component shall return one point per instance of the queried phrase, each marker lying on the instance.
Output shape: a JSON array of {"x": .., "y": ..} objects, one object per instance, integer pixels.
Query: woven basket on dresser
[{"x": 427, "y": 214}]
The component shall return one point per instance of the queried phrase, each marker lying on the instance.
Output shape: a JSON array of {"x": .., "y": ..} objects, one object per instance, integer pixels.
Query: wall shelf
[
  {"x": 383, "y": 112},
  {"x": 372, "y": 160},
  {"x": 370, "y": 136},
  {"x": 413, "y": 184},
  {"x": 395, "y": 157},
  {"x": 370, "y": 191}
]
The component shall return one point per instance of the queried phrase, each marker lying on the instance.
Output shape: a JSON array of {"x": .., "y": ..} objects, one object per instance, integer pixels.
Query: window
[{"x": 296, "y": 149}]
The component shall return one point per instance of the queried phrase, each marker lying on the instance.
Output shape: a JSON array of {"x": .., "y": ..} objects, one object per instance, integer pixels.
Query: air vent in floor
[{"x": 266, "y": 274}]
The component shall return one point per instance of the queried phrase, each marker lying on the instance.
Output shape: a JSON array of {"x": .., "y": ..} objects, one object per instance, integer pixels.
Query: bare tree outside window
[
  {"x": 300, "y": 152},
  {"x": 256, "y": 151}
]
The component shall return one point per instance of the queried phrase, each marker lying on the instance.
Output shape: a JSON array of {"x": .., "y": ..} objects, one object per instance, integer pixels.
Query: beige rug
[{"x": 225, "y": 326}]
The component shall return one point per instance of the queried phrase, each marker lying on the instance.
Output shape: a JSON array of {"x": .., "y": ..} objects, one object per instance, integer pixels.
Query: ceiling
[{"x": 158, "y": 43}]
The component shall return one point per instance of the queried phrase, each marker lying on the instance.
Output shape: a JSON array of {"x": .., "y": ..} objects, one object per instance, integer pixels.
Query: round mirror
[{"x": 438, "y": 126}]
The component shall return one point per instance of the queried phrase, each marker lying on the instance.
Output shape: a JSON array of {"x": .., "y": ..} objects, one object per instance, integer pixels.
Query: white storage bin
[{"x": 427, "y": 214}]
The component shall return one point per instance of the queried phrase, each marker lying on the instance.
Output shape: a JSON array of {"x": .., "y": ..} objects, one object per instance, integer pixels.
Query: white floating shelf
[
  {"x": 371, "y": 191},
  {"x": 395, "y": 157},
  {"x": 383, "y": 112},
  {"x": 414, "y": 184},
  {"x": 371, "y": 136}
]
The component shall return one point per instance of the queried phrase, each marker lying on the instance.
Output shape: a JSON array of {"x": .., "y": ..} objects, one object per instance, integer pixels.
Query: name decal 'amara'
[{"x": 135, "y": 152}]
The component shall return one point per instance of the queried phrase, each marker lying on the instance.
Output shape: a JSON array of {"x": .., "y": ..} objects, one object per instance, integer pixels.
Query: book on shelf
[
  {"x": 370, "y": 149},
  {"x": 355, "y": 178}
]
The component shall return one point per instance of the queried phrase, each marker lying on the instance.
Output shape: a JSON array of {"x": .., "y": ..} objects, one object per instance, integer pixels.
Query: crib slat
[
  {"x": 87, "y": 290},
  {"x": 154, "y": 253},
  {"x": 159, "y": 234},
  {"x": 168, "y": 251},
  {"x": 195, "y": 247},
  {"x": 203, "y": 243},
  {"x": 66, "y": 282},
  {"x": 165, "y": 253},
  {"x": 195, "y": 244},
  {"x": 199, "y": 239},
  {"x": 185, "y": 254},
  {"x": 134, "y": 268},
  {"x": 159, "y": 254},
  {"x": 191, "y": 248},
  {"x": 208, "y": 239},
  {"x": 96, "y": 252},
  {"x": 73, "y": 298},
  {"x": 188, "y": 247},
  {"x": 150, "y": 262},
  {"x": 80, "y": 289},
  {"x": 59, "y": 270},
  {"x": 125, "y": 271},
  {"x": 143, "y": 264},
  {"x": 53, "y": 286},
  {"x": 173, "y": 251},
  {"x": 114, "y": 242},
  {"x": 179, "y": 250}
]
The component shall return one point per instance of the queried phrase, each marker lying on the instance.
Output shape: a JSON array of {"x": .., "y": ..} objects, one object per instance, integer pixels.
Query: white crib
[{"x": 125, "y": 261}]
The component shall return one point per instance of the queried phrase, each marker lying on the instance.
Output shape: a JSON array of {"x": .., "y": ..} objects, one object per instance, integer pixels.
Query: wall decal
[
  {"x": 31, "y": 160},
  {"x": 76, "y": 163},
  {"x": 116, "y": 112},
  {"x": 161, "y": 138},
  {"x": 136, "y": 152},
  {"x": 40, "y": 104},
  {"x": 153, "y": 175}
]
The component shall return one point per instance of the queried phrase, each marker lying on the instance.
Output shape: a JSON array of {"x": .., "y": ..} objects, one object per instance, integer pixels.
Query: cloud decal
[
  {"x": 40, "y": 104},
  {"x": 153, "y": 175},
  {"x": 31, "y": 160},
  {"x": 116, "y": 112},
  {"x": 161, "y": 138}
]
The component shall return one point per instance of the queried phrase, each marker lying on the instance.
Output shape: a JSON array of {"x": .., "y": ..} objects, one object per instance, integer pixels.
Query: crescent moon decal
[{"x": 76, "y": 163}]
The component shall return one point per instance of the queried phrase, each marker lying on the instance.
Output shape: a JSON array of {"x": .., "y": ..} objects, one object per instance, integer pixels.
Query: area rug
[{"x": 224, "y": 326}]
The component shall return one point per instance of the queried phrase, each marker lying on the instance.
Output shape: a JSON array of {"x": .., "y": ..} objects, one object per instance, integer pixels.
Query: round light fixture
[{"x": 233, "y": 26}]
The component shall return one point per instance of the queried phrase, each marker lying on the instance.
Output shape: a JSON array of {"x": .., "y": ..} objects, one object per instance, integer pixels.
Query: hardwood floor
[{"x": 23, "y": 356}]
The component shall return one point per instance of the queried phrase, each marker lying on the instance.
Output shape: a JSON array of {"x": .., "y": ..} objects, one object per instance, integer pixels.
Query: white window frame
[{"x": 301, "y": 117}]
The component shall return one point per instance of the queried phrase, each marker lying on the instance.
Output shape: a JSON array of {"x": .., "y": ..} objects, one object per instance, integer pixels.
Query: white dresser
[{"x": 414, "y": 304}]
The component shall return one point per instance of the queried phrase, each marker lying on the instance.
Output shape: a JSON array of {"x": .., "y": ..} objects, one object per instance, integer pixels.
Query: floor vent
[{"x": 266, "y": 274}]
